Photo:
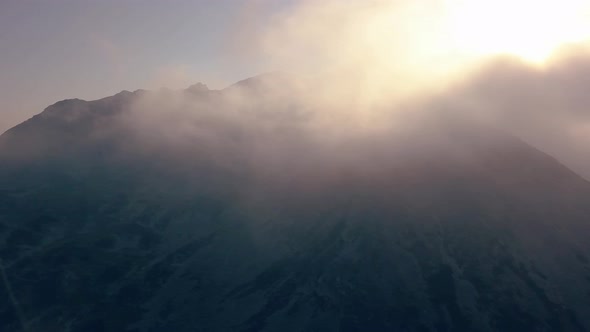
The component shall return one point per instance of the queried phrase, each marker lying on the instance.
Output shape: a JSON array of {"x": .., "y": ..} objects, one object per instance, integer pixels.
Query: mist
[
  {"x": 368, "y": 71},
  {"x": 378, "y": 174},
  {"x": 362, "y": 103},
  {"x": 547, "y": 106}
]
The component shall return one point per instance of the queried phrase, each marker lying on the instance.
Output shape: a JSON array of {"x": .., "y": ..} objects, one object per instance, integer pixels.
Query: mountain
[{"x": 229, "y": 210}]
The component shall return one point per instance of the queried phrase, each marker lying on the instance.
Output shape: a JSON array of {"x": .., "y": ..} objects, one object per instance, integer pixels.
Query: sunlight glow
[
  {"x": 378, "y": 50},
  {"x": 530, "y": 29}
]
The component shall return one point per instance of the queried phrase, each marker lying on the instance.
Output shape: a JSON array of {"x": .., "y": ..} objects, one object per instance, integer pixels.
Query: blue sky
[{"x": 88, "y": 49}]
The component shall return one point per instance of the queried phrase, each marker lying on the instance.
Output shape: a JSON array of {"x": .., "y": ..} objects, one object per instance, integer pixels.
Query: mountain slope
[{"x": 114, "y": 217}]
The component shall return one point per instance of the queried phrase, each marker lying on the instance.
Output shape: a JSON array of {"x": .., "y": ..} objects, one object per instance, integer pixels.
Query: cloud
[
  {"x": 362, "y": 95},
  {"x": 375, "y": 50},
  {"x": 289, "y": 120},
  {"x": 546, "y": 106}
]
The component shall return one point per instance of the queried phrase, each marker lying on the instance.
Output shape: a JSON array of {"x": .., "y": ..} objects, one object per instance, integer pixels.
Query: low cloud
[
  {"x": 546, "y": 106},
  {"x": 356, "y": 103}
]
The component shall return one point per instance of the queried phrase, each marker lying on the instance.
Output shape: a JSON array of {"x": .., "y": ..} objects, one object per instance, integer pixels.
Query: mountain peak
[
  {"x": 255, "y": 82},
  {"x": 197, "y": 88}
]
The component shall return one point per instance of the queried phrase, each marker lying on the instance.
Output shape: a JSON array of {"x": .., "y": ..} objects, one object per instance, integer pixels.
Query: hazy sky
[
  {"x": 52, "y": 50},
  {"x": 56, "y": 49}
]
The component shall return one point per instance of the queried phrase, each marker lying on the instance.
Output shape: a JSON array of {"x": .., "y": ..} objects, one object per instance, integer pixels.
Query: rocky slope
[{"x": 111, "y": 223}]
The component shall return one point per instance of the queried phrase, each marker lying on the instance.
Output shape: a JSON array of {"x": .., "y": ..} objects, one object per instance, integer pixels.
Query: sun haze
[
  {"x": 529, "y": 29},
  {"x": 385, "y": 48}
]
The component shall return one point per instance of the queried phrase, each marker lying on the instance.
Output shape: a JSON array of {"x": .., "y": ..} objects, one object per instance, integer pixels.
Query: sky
[{"x": 52, "y": 50}]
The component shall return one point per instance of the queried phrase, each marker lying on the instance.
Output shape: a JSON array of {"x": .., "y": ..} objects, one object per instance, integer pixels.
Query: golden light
[
  {"x": 380, "y": 49},
  {"x": 530, "y": 29},
  {"x": 417, "y": 45}
]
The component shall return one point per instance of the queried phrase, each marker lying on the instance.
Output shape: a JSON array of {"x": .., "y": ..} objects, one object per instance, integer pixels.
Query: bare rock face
[{"x": 133, "y": 214}]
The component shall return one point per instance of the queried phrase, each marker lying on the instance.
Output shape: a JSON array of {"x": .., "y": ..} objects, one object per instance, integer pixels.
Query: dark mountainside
[{"x": 246, "y": 224}]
